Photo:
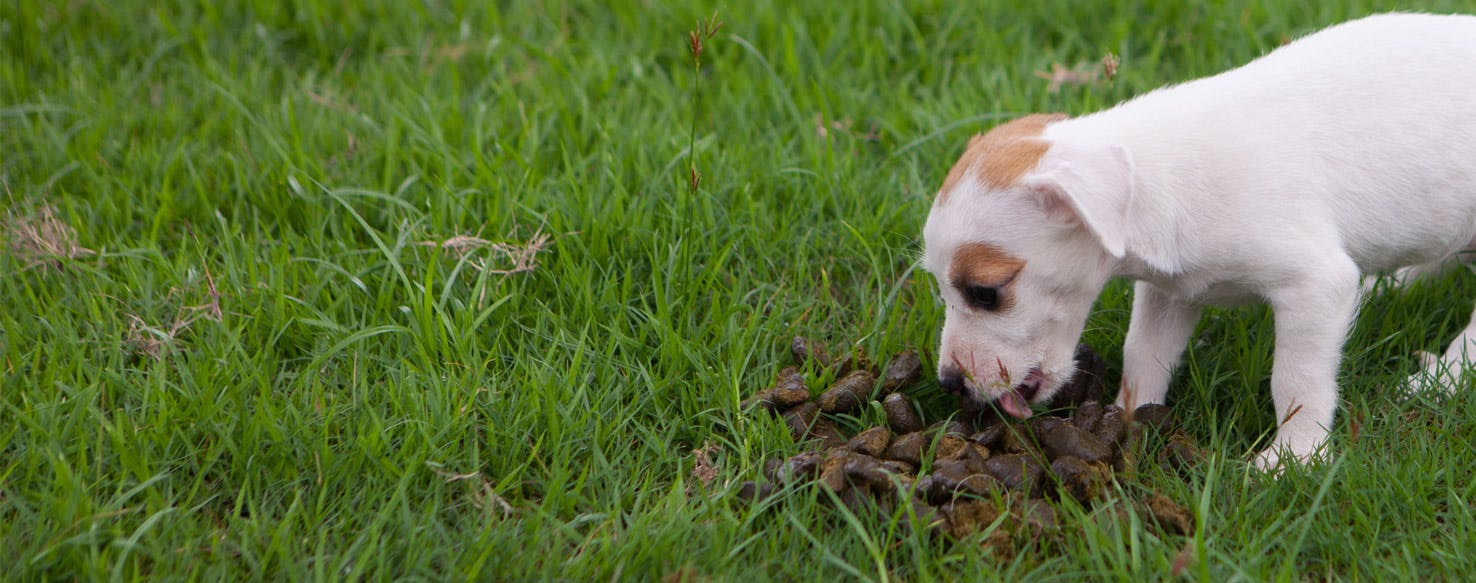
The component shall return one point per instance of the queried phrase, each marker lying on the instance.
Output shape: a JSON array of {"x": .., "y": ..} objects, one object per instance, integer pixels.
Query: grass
[{"x": 421, "y": 290}]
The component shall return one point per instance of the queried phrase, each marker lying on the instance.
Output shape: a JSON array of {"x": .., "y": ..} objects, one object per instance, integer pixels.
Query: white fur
[{"x": 1349, "y": 152}]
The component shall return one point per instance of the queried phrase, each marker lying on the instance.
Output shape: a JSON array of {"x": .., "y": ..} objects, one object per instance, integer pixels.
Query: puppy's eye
[{"x": 982, "y": 297}]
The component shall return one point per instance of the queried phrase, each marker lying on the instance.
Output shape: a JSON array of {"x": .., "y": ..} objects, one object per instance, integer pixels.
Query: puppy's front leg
[
  {"x": 1312, "y": 319},
  {"x": 1156, "y": 338}
]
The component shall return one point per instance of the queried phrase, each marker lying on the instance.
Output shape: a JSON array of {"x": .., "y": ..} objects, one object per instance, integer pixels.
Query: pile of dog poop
[{"x": 976, "y": 472}]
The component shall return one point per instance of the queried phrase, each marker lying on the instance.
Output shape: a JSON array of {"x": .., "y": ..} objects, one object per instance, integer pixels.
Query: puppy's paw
[
  {"x": 1292, "y": 446},
  {"x": 1269, "y": 461},
  {"x": 1436, "y": 376},
  {"x": 1371, "y": 285},
  {"x": 1273, "y": 460}
]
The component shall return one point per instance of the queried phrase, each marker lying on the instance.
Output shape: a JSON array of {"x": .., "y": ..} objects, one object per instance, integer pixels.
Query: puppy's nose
[{"x": 951, "y": 380}]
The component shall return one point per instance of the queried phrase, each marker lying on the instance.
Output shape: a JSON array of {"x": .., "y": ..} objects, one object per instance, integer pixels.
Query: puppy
[{"x": 1351, "y": 151}]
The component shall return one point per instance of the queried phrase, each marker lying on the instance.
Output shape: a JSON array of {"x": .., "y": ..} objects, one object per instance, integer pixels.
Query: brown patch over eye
[
  {"x": 982, "y": 273},
  {"x": 1003, "y": 155}
]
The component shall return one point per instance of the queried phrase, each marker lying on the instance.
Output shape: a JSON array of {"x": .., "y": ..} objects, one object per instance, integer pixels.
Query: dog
[{"x": 1347, "y": 153}]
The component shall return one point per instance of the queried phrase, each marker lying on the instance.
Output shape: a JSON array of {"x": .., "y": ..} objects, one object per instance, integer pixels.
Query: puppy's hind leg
[
  {"x": 1440, "y": 375},
  {"x": 1156, "y": 337},
  {"x": 1405, "y": 277},
  {"x": 1443, "y": 374}
]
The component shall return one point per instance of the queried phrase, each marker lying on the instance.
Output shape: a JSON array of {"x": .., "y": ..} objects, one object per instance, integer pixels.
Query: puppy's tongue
[{"x": 1015, "y": 405}]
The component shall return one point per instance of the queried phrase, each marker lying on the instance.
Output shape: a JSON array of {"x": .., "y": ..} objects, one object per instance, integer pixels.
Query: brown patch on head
[
  {"x": 982, "y": 264},
  {"x": 1003, "y": 155}
]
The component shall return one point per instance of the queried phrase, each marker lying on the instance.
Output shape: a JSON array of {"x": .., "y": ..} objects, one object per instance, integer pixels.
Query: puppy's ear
[{"x": 1091, "y": 185}]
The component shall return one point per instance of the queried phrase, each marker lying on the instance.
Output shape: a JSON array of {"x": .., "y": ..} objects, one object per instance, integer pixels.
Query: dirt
[{"x": 976, "y": 473}]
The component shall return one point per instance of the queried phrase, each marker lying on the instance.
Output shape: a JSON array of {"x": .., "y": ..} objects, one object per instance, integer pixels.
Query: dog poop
[
  {"x": 1081, "y": 480},
  {"x": 800, "y": 419},
  {"x": 1110, "y": 428},
  {"x": 904, "y": 369},
  {"x": 1018, "y": 472},
  {"x": 848, "y": 393},
  {"x": 1171, "y": 517},
  {"x": 755, "y": 491},
  {"x": 802, "y": 467},
  {"x": 828, "y": 433},
  {"x": 1088, "y": 384},
  {"x": 806, "y": 351},
  {"x": 901, "y": 416},
  {"x": 973, "y": 474},
  {"x": 1180, "y": 452},
  {"x": 953, "y": 478},
  {"x": 1154, "y": 416},
  {"x": 966, "y": 517},
  {"x": 878, "y": 475},
  {"x": 1067, "y": 439},
  {"x": 907, "y": 448},
  {"x": 872, "y": 442},
  {"x": 789, "y": 390}
]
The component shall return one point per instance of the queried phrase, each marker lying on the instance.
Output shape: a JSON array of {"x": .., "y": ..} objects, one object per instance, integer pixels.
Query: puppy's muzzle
[
  {"x": 1016, "y": 401},
  {"x": 951, "y": 380}
]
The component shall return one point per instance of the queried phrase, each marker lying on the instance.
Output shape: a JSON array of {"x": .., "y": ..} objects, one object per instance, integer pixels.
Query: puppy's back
[{"x": 1367, "y": 128}]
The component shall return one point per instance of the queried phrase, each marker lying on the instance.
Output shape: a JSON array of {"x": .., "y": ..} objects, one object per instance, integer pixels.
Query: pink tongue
[{"x": 1015, "y": 405}]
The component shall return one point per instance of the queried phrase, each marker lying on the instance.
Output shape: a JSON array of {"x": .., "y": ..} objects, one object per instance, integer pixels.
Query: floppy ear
[{"x": 1087, "y": 184}]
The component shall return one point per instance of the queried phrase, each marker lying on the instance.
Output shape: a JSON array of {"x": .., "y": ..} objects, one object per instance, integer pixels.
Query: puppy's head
[{"x": 1022, "y": 236}]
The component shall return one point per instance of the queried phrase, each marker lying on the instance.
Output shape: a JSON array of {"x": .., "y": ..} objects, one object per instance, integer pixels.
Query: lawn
[{"x": 452, "y": 290}]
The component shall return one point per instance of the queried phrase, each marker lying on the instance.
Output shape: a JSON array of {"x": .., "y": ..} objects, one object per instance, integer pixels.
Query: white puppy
[{"x": 1348, "y": 152}]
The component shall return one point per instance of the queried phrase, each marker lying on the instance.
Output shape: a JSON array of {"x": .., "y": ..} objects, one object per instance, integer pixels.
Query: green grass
[{"x": 261, "y": 373}]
